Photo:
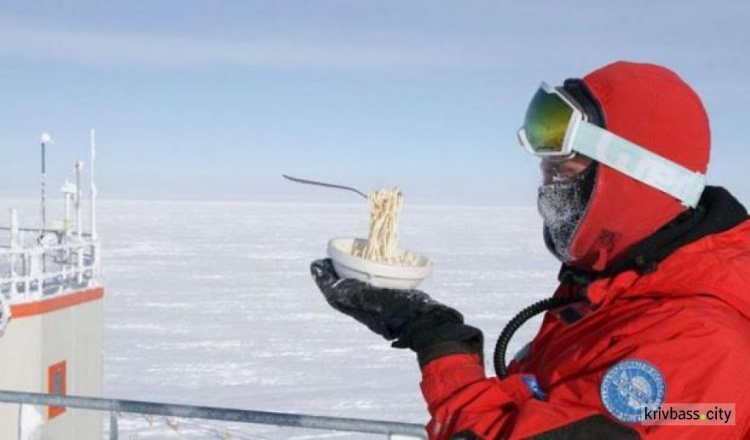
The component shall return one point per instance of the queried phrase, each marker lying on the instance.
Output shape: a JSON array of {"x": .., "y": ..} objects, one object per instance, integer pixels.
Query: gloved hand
[{"x": 410, "y": 317}]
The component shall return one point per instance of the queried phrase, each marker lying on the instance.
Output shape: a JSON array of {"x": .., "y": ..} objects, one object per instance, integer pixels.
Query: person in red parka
[{"x": 653, "y": 306}]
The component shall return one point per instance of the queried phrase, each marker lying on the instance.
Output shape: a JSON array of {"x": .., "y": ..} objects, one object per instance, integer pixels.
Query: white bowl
[{"x": 374, "y": 273}]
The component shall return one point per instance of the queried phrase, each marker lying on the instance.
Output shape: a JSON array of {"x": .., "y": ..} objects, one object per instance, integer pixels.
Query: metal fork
[{"x": 329, "y": 185}]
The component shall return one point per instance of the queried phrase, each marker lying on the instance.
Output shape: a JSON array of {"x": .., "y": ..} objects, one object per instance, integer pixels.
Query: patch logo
[{"x": 631, "y": 385}]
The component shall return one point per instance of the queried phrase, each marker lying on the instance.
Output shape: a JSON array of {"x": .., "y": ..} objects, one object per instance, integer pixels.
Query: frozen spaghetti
[{"x": 382, "y": 245}]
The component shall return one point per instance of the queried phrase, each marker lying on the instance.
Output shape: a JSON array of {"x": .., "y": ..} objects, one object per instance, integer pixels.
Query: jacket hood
[
  {"x": 704, "y": 253},
  {"x": 652, "y": 107}
]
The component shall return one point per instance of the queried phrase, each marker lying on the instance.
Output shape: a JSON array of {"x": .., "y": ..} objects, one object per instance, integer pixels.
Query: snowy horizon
[{"x": 25, "y": 202}]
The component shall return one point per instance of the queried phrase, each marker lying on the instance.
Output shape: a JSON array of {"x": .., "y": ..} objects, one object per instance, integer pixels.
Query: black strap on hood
[
  {"x": 578, "y": 90},
  {"x": 716, "y": 212}
]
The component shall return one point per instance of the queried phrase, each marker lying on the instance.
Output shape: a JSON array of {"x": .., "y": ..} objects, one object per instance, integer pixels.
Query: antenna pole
[
  {"x": 93, "y": 186},
  {"x": 79, "y": 168},
  {"x": 43, "y": 184},
  {"x": 45, "y": 139},
  {"x": 95, "y": 259}
]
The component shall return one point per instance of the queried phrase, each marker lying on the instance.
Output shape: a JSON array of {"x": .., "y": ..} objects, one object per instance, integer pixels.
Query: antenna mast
[
  {"x": 79, "y": 220},
  {"x": 93, "y": 186},
  {"x": 45, "y": 139}
]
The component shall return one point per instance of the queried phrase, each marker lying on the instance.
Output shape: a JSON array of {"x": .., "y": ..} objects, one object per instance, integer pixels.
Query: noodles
[{"x": 382, "y": 245}]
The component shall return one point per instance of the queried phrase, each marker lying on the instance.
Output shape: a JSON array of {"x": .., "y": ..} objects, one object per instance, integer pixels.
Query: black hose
[{"x": 524, "y": 315}]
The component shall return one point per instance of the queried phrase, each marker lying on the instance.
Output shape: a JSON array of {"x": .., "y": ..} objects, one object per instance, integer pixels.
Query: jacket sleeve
[
  {"x": 464, "y": 404},
  {"x": 700, "y": 364}
]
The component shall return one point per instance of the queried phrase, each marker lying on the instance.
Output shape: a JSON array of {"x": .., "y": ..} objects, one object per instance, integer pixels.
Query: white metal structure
[{"x": 51, "y": 324}]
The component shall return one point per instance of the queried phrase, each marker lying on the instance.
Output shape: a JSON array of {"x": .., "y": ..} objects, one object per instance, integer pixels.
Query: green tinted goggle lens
[{"x": 546, "y": 122}]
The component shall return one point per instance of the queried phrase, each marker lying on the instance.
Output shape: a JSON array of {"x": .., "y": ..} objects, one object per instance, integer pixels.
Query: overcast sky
[{"x": 214, "y": 100}]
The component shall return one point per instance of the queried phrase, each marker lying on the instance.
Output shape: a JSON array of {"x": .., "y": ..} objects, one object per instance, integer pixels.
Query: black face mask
[{"x": 562, "y": 205}]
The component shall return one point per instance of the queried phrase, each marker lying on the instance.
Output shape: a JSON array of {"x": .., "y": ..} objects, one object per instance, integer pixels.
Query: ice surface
[{"x": 213, "y": 304}]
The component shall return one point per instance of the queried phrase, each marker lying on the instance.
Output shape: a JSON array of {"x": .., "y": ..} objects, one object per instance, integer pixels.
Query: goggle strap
[{"x": 640, "y": 164}]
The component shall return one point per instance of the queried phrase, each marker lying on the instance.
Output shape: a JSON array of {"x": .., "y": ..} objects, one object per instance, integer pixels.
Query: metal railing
[
  {"x": 114, "y": 406},
  {"x": 29, "y": 273},
  {"x": 36, "y": 263}
]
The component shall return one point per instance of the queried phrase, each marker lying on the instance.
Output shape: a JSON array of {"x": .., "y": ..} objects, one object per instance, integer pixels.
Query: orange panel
[
  {"x": 55, "y": 303},
  {"x": 56, "y": 384}
]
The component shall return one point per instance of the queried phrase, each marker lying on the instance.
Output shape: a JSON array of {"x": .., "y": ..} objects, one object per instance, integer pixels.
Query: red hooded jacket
[
  {"x": 690, "y": 319},
  {"x": 672, "y": 323}
]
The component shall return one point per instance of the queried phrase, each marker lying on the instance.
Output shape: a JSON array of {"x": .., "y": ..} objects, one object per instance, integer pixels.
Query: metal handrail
[{"x": 115, "y": 406}]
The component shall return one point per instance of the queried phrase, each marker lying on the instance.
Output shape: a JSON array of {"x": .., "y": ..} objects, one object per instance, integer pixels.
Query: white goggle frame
[{"x": 622, "y": 155}]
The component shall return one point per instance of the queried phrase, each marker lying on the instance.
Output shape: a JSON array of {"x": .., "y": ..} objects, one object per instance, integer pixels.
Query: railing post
[
  {"x": 14, "y": 246},
  {"x": 113, "y": 425}
]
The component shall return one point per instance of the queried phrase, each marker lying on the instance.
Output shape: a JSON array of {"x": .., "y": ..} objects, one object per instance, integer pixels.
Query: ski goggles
[{"x": 556, "y": 128}]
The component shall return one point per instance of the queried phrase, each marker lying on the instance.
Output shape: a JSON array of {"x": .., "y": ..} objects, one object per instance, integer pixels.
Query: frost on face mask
[{"x": 562, "y": 204}]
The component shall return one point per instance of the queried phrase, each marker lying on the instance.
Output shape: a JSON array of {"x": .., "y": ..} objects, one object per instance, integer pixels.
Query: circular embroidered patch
[{"x": 630, "y": 386}]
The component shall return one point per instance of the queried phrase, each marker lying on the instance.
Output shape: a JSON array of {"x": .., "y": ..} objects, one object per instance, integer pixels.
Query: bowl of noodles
[{"x": 378, "y": 260}]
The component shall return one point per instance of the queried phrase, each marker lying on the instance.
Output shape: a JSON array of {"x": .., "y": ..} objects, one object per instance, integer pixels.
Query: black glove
[{"x": 411, "y": 317}]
